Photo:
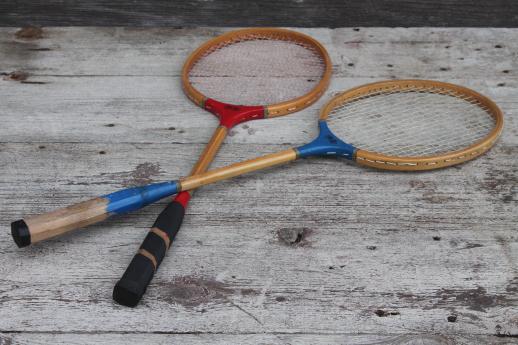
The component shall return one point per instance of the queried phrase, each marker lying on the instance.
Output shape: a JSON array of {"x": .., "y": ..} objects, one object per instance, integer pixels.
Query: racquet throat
[
  {"x": 326, "y": 144},
  {"x": 231, "y": 115}
]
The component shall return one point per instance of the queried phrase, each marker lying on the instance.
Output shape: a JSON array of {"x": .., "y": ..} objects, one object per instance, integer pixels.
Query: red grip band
[{"x": 183, "y": 198}]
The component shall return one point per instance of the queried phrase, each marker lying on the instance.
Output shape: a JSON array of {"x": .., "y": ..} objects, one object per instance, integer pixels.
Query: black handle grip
[{"x": 131, "y": 287}]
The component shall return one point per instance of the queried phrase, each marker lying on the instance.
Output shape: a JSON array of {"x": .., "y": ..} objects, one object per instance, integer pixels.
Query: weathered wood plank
[
  {"x": 250, "y": 339},
  {"x": 354, "y": 256},
  {"x": 304, "y": 13},
  {"x": 431, "y": 52}
]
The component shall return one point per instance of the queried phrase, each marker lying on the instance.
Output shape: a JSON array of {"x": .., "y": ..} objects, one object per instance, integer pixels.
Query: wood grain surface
[
  {"x": 316, "y": 252},
  {"x": 300, "y": 13}
]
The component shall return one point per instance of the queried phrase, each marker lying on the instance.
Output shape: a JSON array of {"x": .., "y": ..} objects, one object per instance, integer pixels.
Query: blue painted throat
[{"x": 326, "y": 144}]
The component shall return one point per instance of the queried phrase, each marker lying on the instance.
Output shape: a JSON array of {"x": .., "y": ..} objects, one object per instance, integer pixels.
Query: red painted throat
[{"x": 231, "y": 115}]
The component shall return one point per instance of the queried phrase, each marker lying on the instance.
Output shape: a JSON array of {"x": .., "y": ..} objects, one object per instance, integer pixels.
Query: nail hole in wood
[{"x": 452, "y": 318}]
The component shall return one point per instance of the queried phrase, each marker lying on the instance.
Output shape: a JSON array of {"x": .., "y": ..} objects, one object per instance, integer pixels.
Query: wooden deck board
[
  {"x": 302, "y": 13},
  {"x": 413, "y": 248}
]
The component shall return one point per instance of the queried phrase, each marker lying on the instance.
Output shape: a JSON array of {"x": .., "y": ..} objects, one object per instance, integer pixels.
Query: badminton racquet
[{"x": 269, "y": 73}]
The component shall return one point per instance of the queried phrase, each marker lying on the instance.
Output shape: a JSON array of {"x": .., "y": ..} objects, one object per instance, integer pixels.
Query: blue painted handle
[{"x": 132, "y": 199}]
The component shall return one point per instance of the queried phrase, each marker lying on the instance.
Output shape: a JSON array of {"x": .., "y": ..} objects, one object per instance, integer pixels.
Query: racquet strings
[
  {"x": 257, "y": 70},
  {"x": 411, "y": 121}
]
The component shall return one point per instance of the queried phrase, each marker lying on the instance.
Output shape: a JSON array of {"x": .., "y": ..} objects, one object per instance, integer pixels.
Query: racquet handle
[
  {"x": 37, "y": 228},
  {"x": 131, "y": 287}
]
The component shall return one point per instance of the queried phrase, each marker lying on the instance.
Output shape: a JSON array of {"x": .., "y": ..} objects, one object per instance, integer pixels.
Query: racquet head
[
  {"x": 413, "y": 124},
  {"x": 276, "y": 70}
]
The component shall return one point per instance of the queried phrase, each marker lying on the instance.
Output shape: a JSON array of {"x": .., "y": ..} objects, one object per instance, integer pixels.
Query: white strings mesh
[
  {"x": 257, "y": 71},
  {"x": 413, "y": 121}
]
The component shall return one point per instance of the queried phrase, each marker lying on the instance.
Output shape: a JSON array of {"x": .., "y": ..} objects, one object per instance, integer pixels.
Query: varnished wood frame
[
  {"x": 272, "y": 110},
  {"x": 377, "y": 160}
]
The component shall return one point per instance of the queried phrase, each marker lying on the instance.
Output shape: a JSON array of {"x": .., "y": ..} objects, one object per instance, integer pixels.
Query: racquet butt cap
[
  {"x": 128, "y": 292},
  {"x": 20, "y": 233}
]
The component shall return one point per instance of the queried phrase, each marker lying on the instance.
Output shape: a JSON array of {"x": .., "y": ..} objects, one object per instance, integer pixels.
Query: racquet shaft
[
  {"x": 219, "y": 174},
  {"x": 208, "y": 154}
]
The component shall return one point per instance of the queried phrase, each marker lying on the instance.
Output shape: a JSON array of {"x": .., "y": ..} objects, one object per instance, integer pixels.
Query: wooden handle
[
  {"x": 131, "y": 287},
  {"x": 38, "y": 228},
  {"x": 42, "y": 227},
  {"x": 237, "y": 169}
]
